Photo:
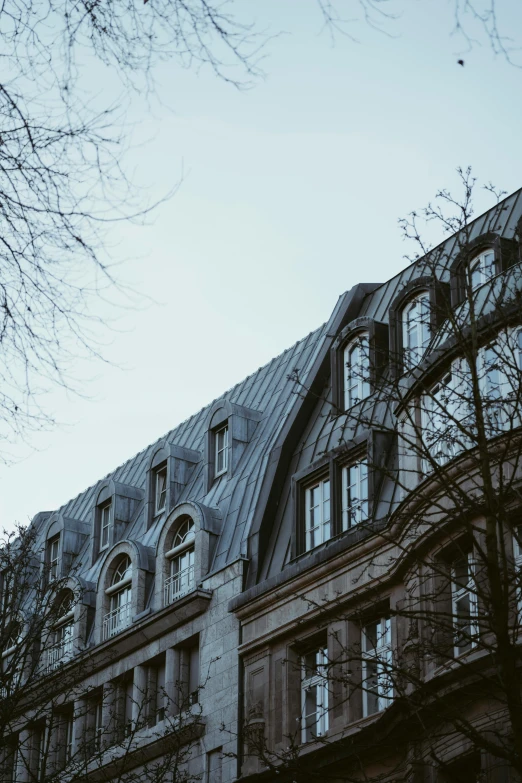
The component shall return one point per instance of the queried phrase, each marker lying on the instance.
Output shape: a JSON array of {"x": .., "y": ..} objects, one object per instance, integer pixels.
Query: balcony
[
  {"x": 177, "y": 585},
  {"x": 117, "y": 620},
  {"x": 59, "y": 653}
]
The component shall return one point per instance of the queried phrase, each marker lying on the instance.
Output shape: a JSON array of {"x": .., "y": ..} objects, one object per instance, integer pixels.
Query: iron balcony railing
[
  {"x": 59, "y": 653},
  {"x": 178, "y": 584},
  {"x": 117, "y": 620}
]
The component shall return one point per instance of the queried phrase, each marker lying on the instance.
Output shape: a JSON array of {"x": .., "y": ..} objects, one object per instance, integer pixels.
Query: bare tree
[
  {"x": 55, "y": 724},
  {"x": 437, "y": 664}
]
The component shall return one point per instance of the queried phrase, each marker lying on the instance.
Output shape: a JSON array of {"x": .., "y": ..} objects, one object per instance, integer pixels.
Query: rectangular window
[
  {"x": 69, "y": 736},
  {"x": 221, "y": 451},
  {"x": 317, "y": 514},
  {"x": 98, "y": 723},
  {"x": 377, "y": 684},
  {"x": 464, "y": 604},
  {"x": 160, "y": 697},
  {"x": 314, "y": 694},
  {"x": 355, "y": 494},
  {"x": 193, "y": 674},
  {"x": 161, "y": 489},
  {"x": 517, "y": 554},
  {"x": 53, "y": 557},
  {"x": 214, "y": 766},
  {"x": 105, "y": 525}
]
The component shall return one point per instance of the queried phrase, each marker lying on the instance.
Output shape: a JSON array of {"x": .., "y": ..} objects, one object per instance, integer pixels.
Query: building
[{"x": 289, "y": 585}]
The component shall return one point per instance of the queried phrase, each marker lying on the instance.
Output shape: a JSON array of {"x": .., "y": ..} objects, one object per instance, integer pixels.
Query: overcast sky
[{"x": 291, "y": 193}]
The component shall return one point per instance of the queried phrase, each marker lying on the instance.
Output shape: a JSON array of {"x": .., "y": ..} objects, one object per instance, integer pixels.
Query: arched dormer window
[
  {"x": 416, "y": 329},
  {"x": 482, "y": 268},
  {"x": 120, "y": 599},
  {"x": 62, "y": 634},
  {"x": 181, "y": 563},
  {"x": 357, "y": 370}
]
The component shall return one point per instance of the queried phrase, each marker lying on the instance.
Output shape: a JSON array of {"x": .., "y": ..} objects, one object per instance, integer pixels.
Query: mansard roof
[{"x": 272, "y": 393}]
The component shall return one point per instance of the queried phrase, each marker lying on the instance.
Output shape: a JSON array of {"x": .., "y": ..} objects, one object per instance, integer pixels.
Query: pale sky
[{"x": 291, "y": 195}]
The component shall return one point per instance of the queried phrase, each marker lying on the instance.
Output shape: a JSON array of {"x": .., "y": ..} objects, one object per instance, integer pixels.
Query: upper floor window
[
  {"x": 61, "y": 648},
  {"x": 120, "y": 599},
  {"x": 160, "y": 494},
  {"x": 355, "y": 494},
  {"x": 181, "y": 556},
  {"x": 464, "y": 603},
  {"x": 221, "y": 451},
  {"x": 314, "y": 694},
  {"x": 357, "y": 371},
  {"x": 482, "y": 268},
  {"x": 317, "y": 513},
  {"x": 53, "y": 557},
  {"x": 377, "y": 664},
  {"x": 517, "y": 554},
  {"x": 105, "y": 524},
  {"x": 416, "y": 329}
]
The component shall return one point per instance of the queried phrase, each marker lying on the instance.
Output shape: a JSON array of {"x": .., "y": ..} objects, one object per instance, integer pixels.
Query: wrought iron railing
[
  {"x": 59, "y": 653},
  {"x": 117, "y": 620},
  {"x": 178, "y": 584}
]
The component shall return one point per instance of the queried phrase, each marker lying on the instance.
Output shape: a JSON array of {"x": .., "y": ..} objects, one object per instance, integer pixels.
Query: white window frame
[
  {"x": 486, "y": 268},
  {"x": 317, "y": 680},
  {"x": 119, "y": 615},
  {"x": 105, "y": 524},
  {"x": 415, "y": 322},
  {"x": 355, "y": 494},
  {"x": 459, "y": 592},
  {"x": 221, "y": 450},
  {"x": 377, "y": 661},
  {"x": 356, "y": 370},
  {"x": 160, "y": 491},
  {"x": 53, "y": 553},
  {"x": 182, "y": 577},
  {"x": 317, "y": 517}
]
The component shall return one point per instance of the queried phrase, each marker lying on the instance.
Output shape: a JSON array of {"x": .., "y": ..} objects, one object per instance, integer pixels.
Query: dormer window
[
  {"x": 221, "y": 451},
  {"x": 61, "y": 649},
  {"x": 161, "y": 489},
  {"x": 120, "y": 599},
  {"x": 357, "y": 371},
  {"x": 53, "y": 557},
  {"x": 482, "y": 268},
  {"x": 416, "y": 331},
  {"x": 355, "y": 494},
  {"x": 181, "y": 556},
  {"x": 105, "y": 525},
  {"x": 318, "y": 528}
]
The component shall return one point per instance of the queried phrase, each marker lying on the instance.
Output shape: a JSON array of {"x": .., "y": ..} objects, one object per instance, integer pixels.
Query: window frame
[
  {"x": 382, "y": 656},
  {"x": 223, "y": 450},
  {"x": 320, "y": 482},
  {"x": 105, "y": 523},
  {"x": 119, "y": 616},
  {"x": 479, "y": 259},
  {"x": 53, "y": 557},
  {"x": 184, "y": 548},
  {"x": 360, "y": 342},
  {"x": 319, "y": 681},
  {"x": 349, "y": 518},
  {"x": 422, "y": 328},
  {"x": 160, "y": 492},
  {"x": 459, "y": 592}
]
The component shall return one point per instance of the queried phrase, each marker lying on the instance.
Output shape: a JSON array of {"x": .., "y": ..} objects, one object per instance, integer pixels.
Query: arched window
[
  {"x": 416, "y": 331},
  {"x": 120, "y": 599},
  {"x": 357, "y": 369},
  {"x": 181, "y": 556},
  {"x": 61, "y": 648},
  {"x": 482, "y": 268}
]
